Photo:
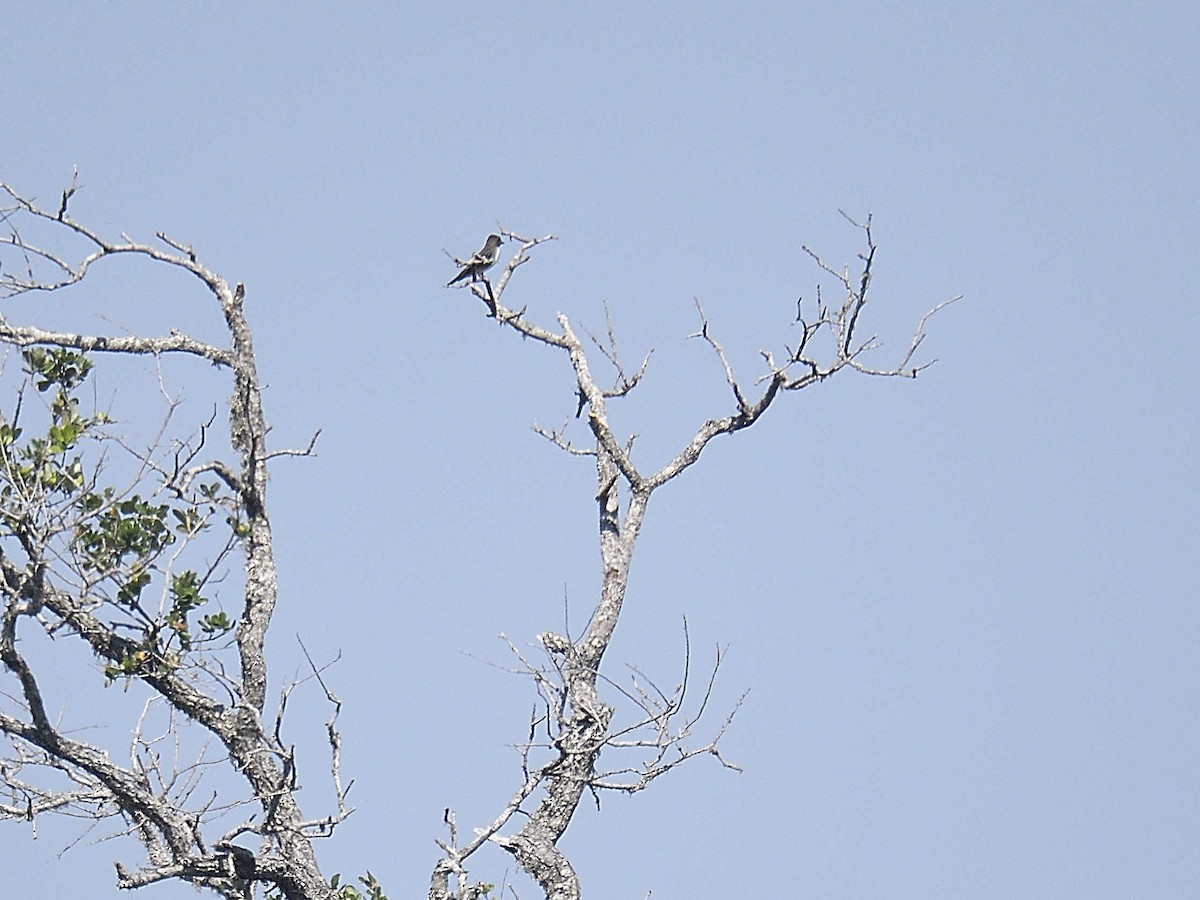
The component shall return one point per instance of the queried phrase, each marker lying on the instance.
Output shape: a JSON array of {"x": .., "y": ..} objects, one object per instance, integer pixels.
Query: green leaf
[
  {"x": 217, "y": 623},
  {"x": 58, "y": 366}
]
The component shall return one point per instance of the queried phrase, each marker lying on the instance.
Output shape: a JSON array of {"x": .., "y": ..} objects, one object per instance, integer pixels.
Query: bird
[{"x": 474, "y": 267}]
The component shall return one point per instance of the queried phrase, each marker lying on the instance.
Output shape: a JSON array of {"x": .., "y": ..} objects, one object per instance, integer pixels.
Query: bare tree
[
  {"x": 576, "y": 723},
  {"x": 116, "y": 546}
]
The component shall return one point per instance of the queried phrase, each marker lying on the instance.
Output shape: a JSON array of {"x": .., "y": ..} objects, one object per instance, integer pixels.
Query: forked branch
[{"x": 574, "y": 726}]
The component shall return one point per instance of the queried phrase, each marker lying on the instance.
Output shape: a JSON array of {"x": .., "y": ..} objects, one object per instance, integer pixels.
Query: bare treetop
[{"x": 576, "y": 722}]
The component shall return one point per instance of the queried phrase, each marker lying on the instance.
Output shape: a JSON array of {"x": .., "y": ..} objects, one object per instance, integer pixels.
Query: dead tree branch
[{"x": 577, "y": 723}]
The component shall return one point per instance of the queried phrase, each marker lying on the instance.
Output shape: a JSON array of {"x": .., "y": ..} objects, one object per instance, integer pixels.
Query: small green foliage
[
  {"x": 185, "y": 596},
  {"x": 185, "y": 590},
  {"x": 146, "y": 658},
  {"x": 349, "y": 892},
  {"x": 215, "y": 624},
  {"x": 374, "y": 891},
  {"x": 115, "y": 541},
  {"x": 66, "y": 431},
  {"x": 131, "y": 591},
  {"x": 41, "y": 466},
  {"x": 56, "y": 367},
  {"x": 189, "y": 521},
  {"x": 166, "y": 640},
  {"x": 93, "y": 500},
  {"x": 132, "y": 526}
]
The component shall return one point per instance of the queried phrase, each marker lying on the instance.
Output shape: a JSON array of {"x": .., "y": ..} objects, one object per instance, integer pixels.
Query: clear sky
[{"x": 965, "y": 606}]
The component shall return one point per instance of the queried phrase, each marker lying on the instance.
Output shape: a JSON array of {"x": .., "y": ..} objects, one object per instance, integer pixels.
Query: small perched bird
[{"x": 480, "y": 262}]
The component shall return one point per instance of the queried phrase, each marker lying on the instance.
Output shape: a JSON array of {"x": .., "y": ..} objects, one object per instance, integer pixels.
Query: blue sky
[{"x": 965, "y": 606}]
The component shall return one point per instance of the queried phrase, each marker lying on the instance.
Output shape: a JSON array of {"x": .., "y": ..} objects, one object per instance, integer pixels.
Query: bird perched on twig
[{"x": 474, "y": 267}]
